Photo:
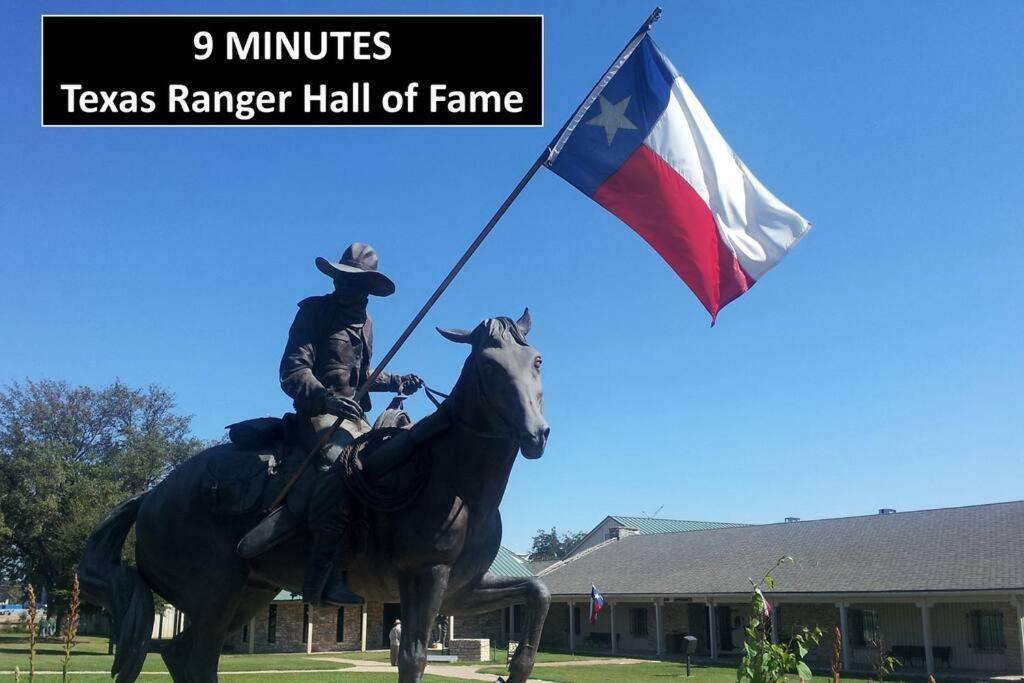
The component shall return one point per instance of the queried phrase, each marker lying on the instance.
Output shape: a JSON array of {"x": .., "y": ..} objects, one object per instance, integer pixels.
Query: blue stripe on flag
[{"x": 646, "y": 78}]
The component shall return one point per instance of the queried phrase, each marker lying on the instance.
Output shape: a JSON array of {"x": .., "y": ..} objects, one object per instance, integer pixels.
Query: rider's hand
[
  {"x": 342, "y": 406},
  {"x": 409, "y": 384}
]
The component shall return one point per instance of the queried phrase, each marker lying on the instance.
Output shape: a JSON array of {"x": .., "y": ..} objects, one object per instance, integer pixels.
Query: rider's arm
[
  {"x": 385, "y": 381},
  {"x": 297, "y": 379}
]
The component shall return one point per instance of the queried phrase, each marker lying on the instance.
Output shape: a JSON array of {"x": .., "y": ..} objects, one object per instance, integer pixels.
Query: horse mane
[{"x": 501, "y": 327}]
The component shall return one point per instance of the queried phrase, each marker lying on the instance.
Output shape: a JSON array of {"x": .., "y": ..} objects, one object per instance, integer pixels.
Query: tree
[
  {"x": 67, "y": 456},
  {"x": 549, "y": 545}
]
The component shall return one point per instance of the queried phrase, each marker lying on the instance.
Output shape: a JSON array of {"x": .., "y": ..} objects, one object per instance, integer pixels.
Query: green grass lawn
[
  {"x": 90, "y": 654},
  {"x": 322, "y": 677},
  {"x": 647, "y": 672},
  {"x": 497, "y": 656}
]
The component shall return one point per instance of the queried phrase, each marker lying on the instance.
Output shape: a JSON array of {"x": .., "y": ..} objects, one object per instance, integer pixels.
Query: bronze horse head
[{"x": 503, "y": 371}]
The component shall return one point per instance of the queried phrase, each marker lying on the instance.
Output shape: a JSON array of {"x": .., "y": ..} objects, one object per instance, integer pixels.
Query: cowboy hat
[{"x": 359, "y": 261}]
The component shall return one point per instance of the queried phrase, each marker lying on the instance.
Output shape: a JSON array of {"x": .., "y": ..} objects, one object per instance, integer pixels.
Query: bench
[
  {"x": 908, "y": 653},
  {"x": 601, "y": 639}
]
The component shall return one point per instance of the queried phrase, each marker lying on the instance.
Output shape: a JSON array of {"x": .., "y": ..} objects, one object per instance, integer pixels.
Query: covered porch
[{"x": 955, "y": 635}]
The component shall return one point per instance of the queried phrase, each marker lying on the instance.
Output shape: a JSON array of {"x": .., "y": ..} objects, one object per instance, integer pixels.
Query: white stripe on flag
[{"x": 752, "y": 222}]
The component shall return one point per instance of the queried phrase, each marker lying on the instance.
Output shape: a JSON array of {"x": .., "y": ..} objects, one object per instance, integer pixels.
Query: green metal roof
[
  {"x": 654, "y": 525},
  {"x": 507, "y": 563},
  {"x": 287, "y": 596}
]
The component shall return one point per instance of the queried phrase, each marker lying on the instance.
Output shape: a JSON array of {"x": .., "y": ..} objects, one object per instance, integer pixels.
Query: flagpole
[
  {"x": 546, "y": 156},
  {"x": 466, "y": 255}
]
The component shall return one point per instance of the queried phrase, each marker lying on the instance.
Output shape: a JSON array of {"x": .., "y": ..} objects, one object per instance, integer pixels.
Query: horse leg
[
  {"x": 175, "y": 655},
  {"x": 254, "y": 599},
  {"x": 192, "y": 656},
  {"x": 207, "y": 643},
  {"x": 496, "y": 592},
  {"x": 420, "y": 592}
]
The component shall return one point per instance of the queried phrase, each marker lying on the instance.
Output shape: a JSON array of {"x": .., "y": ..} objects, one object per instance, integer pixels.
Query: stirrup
[{"x": 336, "y": 592}]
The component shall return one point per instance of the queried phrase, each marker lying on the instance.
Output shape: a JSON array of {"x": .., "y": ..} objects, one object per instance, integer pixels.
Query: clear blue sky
[{"x": 880, "y": 365}]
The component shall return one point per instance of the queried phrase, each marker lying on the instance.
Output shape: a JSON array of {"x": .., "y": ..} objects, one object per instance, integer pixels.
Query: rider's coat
[{"x": 329, "y": 347}]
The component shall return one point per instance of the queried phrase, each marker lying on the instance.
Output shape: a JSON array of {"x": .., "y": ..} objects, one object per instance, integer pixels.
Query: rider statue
[{"x": 326, "y": 361}]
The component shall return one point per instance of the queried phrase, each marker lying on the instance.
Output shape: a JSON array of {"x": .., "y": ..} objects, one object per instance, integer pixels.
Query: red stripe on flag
[{"x": 659, "y": 205}]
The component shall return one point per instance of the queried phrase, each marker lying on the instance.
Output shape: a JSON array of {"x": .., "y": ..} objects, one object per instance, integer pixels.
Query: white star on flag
[{"x": 612, "y": 117}]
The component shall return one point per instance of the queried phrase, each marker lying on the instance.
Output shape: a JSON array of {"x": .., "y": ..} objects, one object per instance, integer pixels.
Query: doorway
[
  {"x": 723, "y": 619},
  {"x": 392, "y": 611}
]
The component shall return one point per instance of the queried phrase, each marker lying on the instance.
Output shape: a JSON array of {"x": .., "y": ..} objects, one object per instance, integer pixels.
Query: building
[
  {"x": 614, "y": 527},
  {"x": 943, "y": 589},
  {"x": 288, "y": 625}
]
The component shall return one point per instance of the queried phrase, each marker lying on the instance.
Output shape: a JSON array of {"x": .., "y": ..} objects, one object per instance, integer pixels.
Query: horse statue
[{"x": 431, "y": 554}]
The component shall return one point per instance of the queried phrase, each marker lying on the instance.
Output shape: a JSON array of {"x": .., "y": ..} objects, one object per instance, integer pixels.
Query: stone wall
[
  {"x": 471, "y": 649},
  {"x": 488, "y": 625},
  {"x": 793, "y": 616},
  {"x": 289, "y": 636},
  {"x": 556, "y": 627},
  {"x": 375, "y": 626}
]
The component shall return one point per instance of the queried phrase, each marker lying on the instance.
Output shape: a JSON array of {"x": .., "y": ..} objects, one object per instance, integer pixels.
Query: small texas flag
[
  {"x": 644, "y": 148},
  {"x": 596, "y": 603}
]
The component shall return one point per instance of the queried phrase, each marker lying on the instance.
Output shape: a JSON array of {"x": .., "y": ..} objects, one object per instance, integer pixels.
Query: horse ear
[
  {"x": 524, "y": 322},
  {"x": 456, "y": 335}
]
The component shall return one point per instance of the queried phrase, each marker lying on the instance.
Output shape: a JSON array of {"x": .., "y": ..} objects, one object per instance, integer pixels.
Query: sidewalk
[{"x": 469, "y": 672}]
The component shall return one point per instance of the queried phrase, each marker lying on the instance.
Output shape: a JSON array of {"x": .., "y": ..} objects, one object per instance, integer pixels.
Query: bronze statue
[
  {"x": 326, "y": 360},
  {"x": 431, "y": 552}
]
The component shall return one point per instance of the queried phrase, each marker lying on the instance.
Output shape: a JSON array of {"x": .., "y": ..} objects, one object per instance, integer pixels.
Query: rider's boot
[
  {"x": 329, "y": 519},
  {"x": 325, "y": 581},
  {"x": 396, "y": 450}
]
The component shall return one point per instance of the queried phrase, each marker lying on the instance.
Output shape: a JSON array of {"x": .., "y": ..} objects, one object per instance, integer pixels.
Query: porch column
[
  {"x": 572, "y": 626},
  {"x": 843, "y": 635},
  {"x": 659, "y": 631},
  {"x": 252, "y": 635},
  {"x": 451, "y": 628},
  {"x": 362, "y": 630},
  {"x": 308, "y": 635},
  {"x": 1020, "y": 627},
  {"x": 712, "y": 630},
  {"x": 611, "y": 606},
  {"x": 511, "y": 621},
  {"x": 774, "y": 619},
  {"x": 926, "y": 627}
]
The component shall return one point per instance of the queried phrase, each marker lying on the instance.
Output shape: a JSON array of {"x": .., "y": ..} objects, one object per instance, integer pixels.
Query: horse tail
[{"x": 118, "y": 588}]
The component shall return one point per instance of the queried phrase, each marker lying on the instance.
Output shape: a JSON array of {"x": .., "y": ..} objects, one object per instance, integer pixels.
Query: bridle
[{"x": 449, "y": 405}]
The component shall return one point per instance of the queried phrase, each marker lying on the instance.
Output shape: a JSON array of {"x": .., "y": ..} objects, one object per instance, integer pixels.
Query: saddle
[{"x": 247, "y": 482}]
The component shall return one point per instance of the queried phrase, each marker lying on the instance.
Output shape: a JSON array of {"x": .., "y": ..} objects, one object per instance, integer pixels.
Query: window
[
  {"x": 339, "y": 628},
  {"x": 863, "y": 627},
  {"x": 272, "y": 624},
  {"x": 638, "y": 622},
  {"x": 517, "y": 612},
  {"x": 514, "y": 619},
  {"x": 576, "y": 620},
  {"x": 987, "y": 631},
  {"x": 245, "y": 633}
]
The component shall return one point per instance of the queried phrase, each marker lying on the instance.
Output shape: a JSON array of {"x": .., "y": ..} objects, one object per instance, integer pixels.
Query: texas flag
[
  {"x": 643, "y": 147},
  {"x": 596, "y": 603}
]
